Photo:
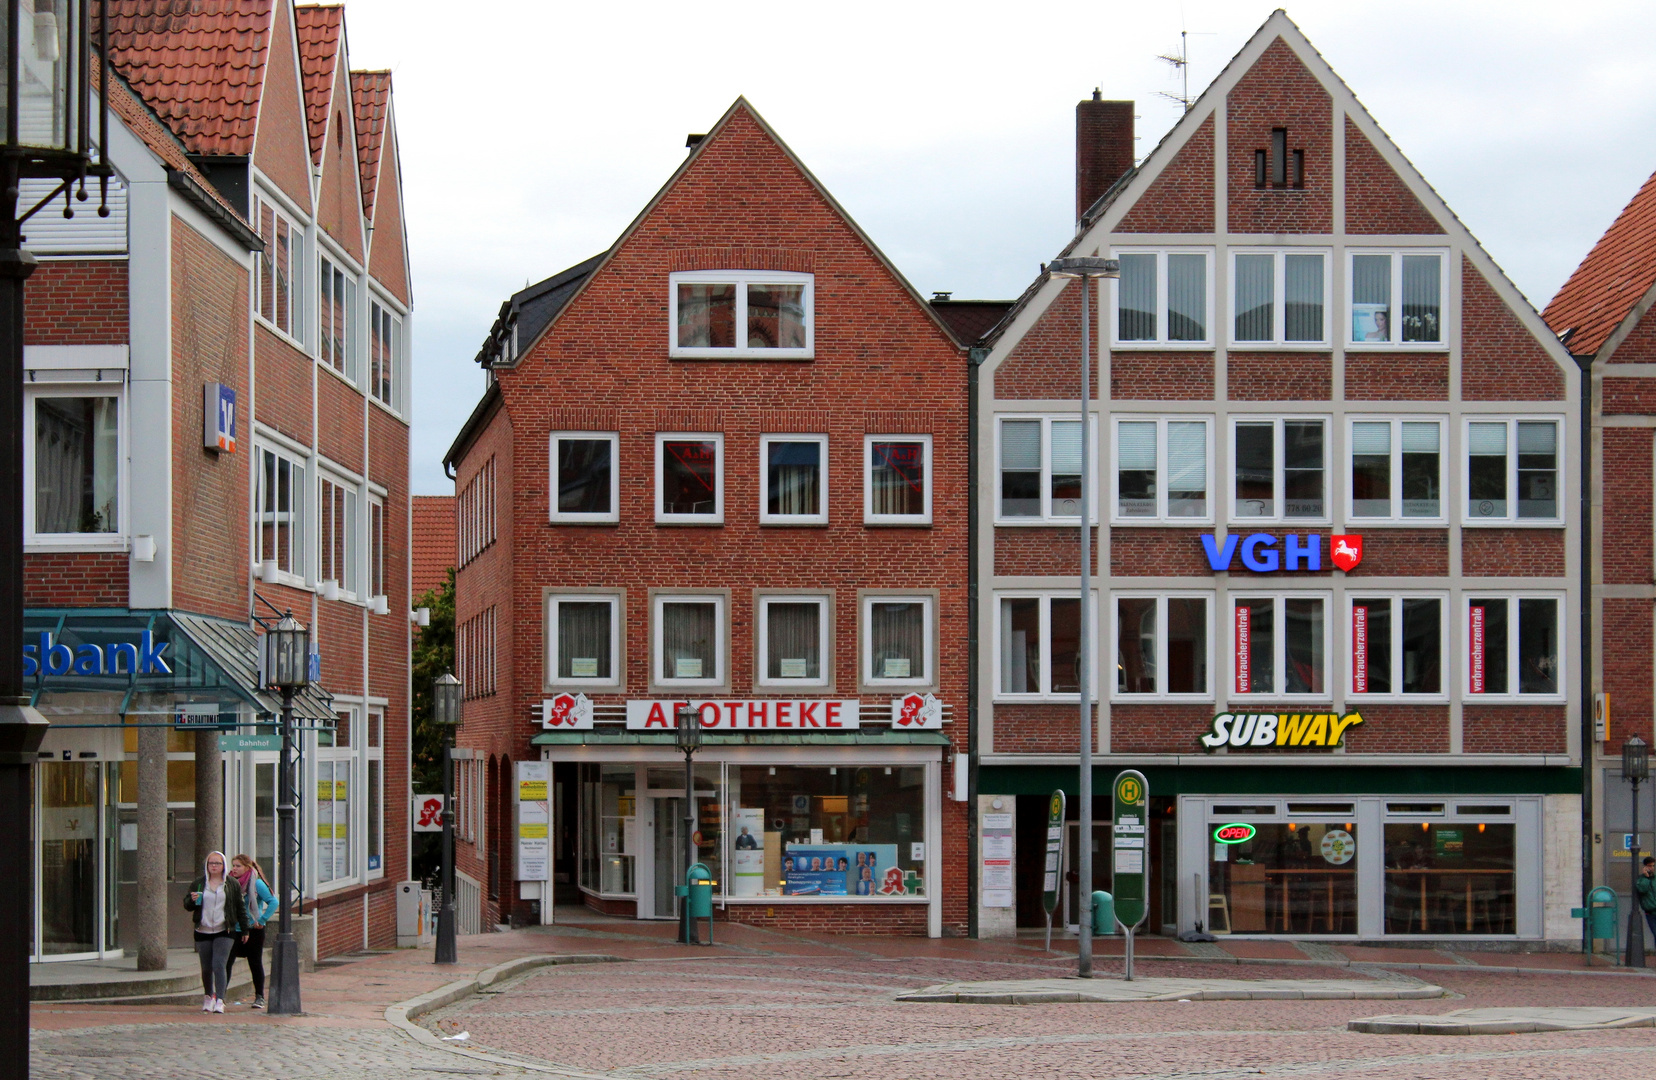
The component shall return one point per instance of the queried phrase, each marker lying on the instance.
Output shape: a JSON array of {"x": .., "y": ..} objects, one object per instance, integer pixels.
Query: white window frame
[
  {"x": 1445, "y": 646},
  {"x": 1161, "y": 342},
  {"x": 355, "y": 806},
  {"x": 768, "y": 518},
  {"x": 741, "y": 279},
  {"x": 1279, "y": 340},
  {"x": 111, "y": 541},
  {"x": 721, "y": 636},
  {"x": 614, "y": 439},
  {"x": 350, "y": 372},
  {"x": 718, "y": 515},
  {"x": 296, "y": 264},
  {"x": 1511, "y": 520},
  {"x": 825, "y": 641},
  {"x": 1396, "y": 328},
  {"x": 1046, "y": 516},
  {"x": 1161, "y": 516},
  {"x": 370, "y": 755},
  {"x": 1046, "y": 597},
  {"x": 869, "y": 516},
  {"x": 1280, "y": 461},
  {"x": 1464, "y": 606},
  {"x": 301, "y": 539},
  {"x": 350, "y": 586},
  {"x": 1279, "y": 645},
  {"x": 617, "y": 605},
  {"x": 865, "y": 637},
  {"x": 1396, "y": 516},
  {"x": 1161, "y": 693},
  {"x": 374, "y": 504},
  {"x": 379, "y": 307}
]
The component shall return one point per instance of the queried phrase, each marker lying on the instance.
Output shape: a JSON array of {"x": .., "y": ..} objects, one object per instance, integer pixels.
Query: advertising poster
[
  {"x": 747, "y": 855},
  {"x": 837, "y": 869}
]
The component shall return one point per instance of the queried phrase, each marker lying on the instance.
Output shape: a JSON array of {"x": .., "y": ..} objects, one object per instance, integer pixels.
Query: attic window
[
  {"x": 1279, "y": 167},
  {"x": 741, "y": 314}
]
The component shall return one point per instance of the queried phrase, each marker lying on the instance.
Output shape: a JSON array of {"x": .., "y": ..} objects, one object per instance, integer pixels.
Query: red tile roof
[
  {"x": 1614, "y": 276},
  {"x": 434, "y": 542},
  {"x": 199, "y": 64},
  {"x": 371, "y": 90},
  {"x": 319, "y": 28}
]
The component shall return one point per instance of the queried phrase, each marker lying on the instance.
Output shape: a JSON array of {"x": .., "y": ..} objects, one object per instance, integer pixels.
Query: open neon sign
[{"x": 1234, "y": 833}]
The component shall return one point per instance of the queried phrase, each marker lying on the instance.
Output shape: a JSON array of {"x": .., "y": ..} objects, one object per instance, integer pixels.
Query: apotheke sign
[{"x": 1261, "y": 553}]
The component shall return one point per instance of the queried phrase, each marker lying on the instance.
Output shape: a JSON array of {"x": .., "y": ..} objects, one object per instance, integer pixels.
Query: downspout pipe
[
  {"x": 1587, "y": 741},
  {"x": 975, "y": 358}
]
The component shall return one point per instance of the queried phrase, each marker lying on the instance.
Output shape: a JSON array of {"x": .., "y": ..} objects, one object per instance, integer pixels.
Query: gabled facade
[
  {"x": 721, "y": 466},
  {"x": 1335, "y": 490},
  {"x": 218, "y": 434}
]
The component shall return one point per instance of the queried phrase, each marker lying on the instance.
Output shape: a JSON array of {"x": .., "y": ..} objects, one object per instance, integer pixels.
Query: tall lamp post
[
  {"x": 1086, "y": 269},
  {"x": 446, "y": 695},
  {"x": 689, "y": 740},
  {"x": 46, "y": 131},
  {"x": 286, "y": 663},
  {"x": 1635, "y": 770}
]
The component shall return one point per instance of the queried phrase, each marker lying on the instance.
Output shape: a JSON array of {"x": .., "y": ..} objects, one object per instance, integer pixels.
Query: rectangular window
[
  {"x": 690, "y": 479},
  {"x": 475, "y": 654},
  {"x": 1505, "y": 486},
  {"x": 277, "y": 266},
  {"x": 1378, "y": 279},
  {"x": 1162, "y": 645},
  {"x": 1280, "y": 468},
  {"x": 376, "y": 546},
  {"x": 1040, "y": 646},
  {"x": 583, "y": 640},
  {"x": 897, "y": 479},
  {"x": 1279, "y": 297},
  {"x": 741, "y": 313},
  {"x": 1513, "y": 646},
  {"x": 587, "y": 484},
  {"x": 73, "y": 465},
  {"x": 897, "y": 636},
  {"x": 385, "y": 355},
  {"x": 1397, "y": 645},
  {"x": 1279, "y": 645},
  {"x": 475, "y": 513},
  {"x": 336, "y": 299},
  {"x": 336, "y": 534},
  {"x": 1040, "y": 469},
  {"x": 337, "y": 755},
  {"x": 689, "y": 640},
  {"x": 1396, "y": 469},
  {"x": 1163, "y": 298},
  {"x": 793, "y": 639},
  {"x": 279, "y": 500},
  {"x": 1450, "y": 877},
  {"x": 795, "y": 472},
  {"x": 1161, "y": 470},
  {"x": 376, "y": 793}
]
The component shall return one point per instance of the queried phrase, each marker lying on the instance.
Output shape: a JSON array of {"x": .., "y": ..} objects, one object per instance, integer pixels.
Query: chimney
[{"x": 1103, "y": 148}]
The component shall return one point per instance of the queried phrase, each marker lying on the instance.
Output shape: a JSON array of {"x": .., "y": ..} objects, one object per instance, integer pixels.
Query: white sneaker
[
  {"x": 218, "y": 1005},
  {"x": 207, "y": 1003}
]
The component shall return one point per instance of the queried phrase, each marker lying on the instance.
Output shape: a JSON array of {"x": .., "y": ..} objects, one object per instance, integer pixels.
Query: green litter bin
[
  {"x": 698, "y": 893},
  {"x": 1602, "y": 911},
  {"x": 1104, "y": 920}
]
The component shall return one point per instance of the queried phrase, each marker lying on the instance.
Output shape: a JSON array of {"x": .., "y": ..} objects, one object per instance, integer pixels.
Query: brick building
[
  {"x": 1334, "y": 481},
  {"x": 434, "y": 539},
  {"x": 1603, "y": 316},
  {"x": 217, "y": 401},
  {"x": 658, "y": 509}
]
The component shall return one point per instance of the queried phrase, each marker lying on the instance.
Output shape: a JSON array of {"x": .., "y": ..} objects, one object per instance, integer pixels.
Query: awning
[
  {"x": 615, "y": 736},
  {"x": 201, "y": 659}
]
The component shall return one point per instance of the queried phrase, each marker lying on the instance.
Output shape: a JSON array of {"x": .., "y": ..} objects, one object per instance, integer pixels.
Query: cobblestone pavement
[{"x": 834, "y": 1015}]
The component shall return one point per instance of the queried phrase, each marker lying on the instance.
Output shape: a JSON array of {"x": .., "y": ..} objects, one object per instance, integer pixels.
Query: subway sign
[
  {"x": 1265, "y": 553},
  {"x": 1235, "y": 833},
  {"x": 1293, "y": 731},
  {"x": 142, "y": 657}
]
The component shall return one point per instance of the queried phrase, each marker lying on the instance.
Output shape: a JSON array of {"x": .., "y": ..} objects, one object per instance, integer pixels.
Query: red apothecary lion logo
[{"x": 1347, "y": 551}]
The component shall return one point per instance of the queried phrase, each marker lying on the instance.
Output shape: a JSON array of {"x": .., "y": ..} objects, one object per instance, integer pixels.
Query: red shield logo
[
  {"x": 1347, "y": 552},
  {"x": 559, "y": 714}
]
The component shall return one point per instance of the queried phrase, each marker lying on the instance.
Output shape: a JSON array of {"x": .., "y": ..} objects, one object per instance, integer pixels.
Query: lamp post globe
[
  {"x": 284, "y": 659},
  {"x": 1635, "y": 770},
  {"x": 688, "y": 732},
  {"x": 447, "y": 693}
]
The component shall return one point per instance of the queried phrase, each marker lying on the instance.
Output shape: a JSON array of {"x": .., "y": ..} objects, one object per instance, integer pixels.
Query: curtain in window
[
  {"x": 1187, "y": 297},
  {"x": 1186, "y": 469},
  {"x": 1136, "y": 299},
  {"x": 1020, "y": 646},
  {"x": 1066, "y": 467},
  {"x": 1303, "y": 296},
  {"x": 687, "y": 633},
  {"x": 1371, "y": 298},
  {"x": 795, "y": 472},
  {"x": 776, "y": 316},
  {"x": 584, "y": 639},
  {"x": 793, "y": 648},
  {"x": 1021, "y": 468},
  {"x": 77, "y": 448},
  {"x": 1421, "y": 290},
  {"x": 1255, "y": 297},
  {"x": 707, "y": 316},
  {"x": 1136, "y": 468},
  {"x": 897, "y": 639},
  {"x": 898, "y": 479}
]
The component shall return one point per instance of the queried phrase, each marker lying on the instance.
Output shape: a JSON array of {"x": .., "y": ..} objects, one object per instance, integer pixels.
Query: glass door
[
  {"x": 669, "y": 865},
  {"x": 69, "y": 819}
]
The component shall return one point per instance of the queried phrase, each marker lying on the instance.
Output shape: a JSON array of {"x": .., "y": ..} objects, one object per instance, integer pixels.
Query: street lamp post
[
  {"x": 1086, "y": 269},
  {"x": 689, "y": 740},
  {"x": 1635, "y": 770},
  {"x": 46, "y": 126},
  {"x": 286, "y": 663},
  {"x": 446, "y": 695}
]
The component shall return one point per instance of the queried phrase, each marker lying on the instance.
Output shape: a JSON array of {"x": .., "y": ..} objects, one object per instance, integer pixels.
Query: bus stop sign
[
  {"x": 1052, "y": 874},
  {"x": 1129, "y": 843}
]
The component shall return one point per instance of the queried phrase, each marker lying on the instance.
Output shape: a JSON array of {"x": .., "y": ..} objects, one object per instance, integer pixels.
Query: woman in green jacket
[{"x": 220, "y": 915}]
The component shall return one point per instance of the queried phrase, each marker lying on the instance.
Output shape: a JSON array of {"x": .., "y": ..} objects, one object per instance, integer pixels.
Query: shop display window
[
  {"x": 609, "y": 829},
  {"x": 1450, "y": 877},
  {"x": 1289, "y": 877}
]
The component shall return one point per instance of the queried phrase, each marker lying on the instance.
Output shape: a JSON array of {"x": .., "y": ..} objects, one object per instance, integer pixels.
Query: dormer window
[
  {"x": 1279, "y": 167},
  {"x": 747, "y": 314}
]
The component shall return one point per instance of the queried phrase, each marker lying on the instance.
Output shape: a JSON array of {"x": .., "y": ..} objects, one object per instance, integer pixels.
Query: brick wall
[
  {"x": 1161, "y": 376},
  {"x": 1500, "y": 360},
  {"x": 281, "y": 150},
  {"x": 1512, "y": 552},
  {"x": 1399, "y": 729},
  {"x": 1278, "y": 91},
  {"x": 1152, "y": 552},
  {"x": 75, "y": 579},
  {"x": 1377, "y": 200},
  {"x": 76, "y": 302},
  {"x": 1639, "y": 347},
  {"x": 338, "y": 420},
  {"x": 1401, "y": 552},
  {"x": 1279, "y": 377},
  {"x": 1396, "y": 376},
  {"x": 1029, "y": 551},
  {"x": 860, "y": 918},
  {"x": 282, "y": 375},
  {"x": 1037, "y": 728},
  {"x": 387, "y": 261},
  {"x": 1625, "y": 635},
  {"x": 1628, "y": 513},
  {"x": 1180, "y": 199},
  {"x": 1628, "y": 395},
  {"x": 1046, "y": 362},
  {"x": 1513, "y": 729},
  {"x": 1159, "y": 728}
]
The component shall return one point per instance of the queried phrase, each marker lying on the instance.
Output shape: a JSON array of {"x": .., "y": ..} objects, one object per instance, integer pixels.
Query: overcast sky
[{"x": 532, "y": 133}]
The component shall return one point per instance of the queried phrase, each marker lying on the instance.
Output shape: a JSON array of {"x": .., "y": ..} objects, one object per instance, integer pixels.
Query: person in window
[
  {"x": 1382, "y": 328},
  {"x": 746, "y": 841}
]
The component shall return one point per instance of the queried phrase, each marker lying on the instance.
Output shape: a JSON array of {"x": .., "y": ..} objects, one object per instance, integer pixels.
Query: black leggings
[{"x": 254, "y": 951}]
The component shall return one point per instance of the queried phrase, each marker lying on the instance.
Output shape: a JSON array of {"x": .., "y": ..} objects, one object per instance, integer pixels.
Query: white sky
[{"x": 533, "y": 132}]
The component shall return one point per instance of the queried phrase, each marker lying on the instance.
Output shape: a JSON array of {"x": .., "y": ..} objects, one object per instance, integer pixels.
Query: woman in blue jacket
[{"x": 261, "y": 904}]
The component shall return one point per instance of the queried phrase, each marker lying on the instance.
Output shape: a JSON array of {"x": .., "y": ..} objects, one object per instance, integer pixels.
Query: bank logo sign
[
  {"x": 143, "y": 657},
  {"x": 1294, "y": 731}
]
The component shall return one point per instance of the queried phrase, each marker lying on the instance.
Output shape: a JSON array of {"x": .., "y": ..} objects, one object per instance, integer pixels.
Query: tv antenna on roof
[{"x": 1181, "y": 64}]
